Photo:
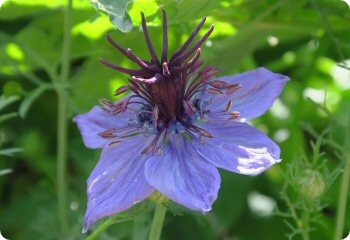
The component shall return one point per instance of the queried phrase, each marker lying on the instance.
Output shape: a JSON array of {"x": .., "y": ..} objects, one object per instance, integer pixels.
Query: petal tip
[
  {"x": 263, "y": 70},
  {"x": 206, "y": 210},
  {"x": 278, "y": 160},
  {"x": 84, "y": 230}
]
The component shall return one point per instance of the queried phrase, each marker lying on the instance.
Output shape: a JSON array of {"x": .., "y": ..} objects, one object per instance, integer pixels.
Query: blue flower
[{"x": 176, "y": 127}]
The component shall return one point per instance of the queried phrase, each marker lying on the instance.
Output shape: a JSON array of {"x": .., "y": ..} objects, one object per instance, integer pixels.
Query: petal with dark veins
[
  {"x": 96, "y": 121},
  {"x": 183, "y": 175},
  {"x": 238, "y": 147},
  {"x": 118, "y": 181},
  {"x": 257, "y": 91}
]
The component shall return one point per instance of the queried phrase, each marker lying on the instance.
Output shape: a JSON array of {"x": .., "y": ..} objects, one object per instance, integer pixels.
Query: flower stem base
[{"x": 157, "y": 222}]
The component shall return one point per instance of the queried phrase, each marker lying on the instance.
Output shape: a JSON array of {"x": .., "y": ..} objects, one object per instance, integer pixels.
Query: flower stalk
[
  {"x": 157, "y": 222},
  {"x": 343, "y": 195},
  {"x": 344, "y": 185},
  {"x": 62, "y": 122},
  {"x": 101, "y": 229}
]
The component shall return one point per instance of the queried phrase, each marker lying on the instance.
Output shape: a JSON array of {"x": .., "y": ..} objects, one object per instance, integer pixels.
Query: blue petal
[
  {"x": 118, "y": 181},
  {"x": 258, "y": 90},
  {"x": 238, "y": 147},
  {"x": 97, "y": 121},
  {"x": 183, "y": 176}
]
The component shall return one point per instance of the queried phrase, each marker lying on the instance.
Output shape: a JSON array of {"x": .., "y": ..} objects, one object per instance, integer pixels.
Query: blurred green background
[{"x": 308, "y": 40}]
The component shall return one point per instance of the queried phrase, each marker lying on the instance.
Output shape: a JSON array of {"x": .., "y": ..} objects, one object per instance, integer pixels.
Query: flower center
[{"x": 166, "y": 90}]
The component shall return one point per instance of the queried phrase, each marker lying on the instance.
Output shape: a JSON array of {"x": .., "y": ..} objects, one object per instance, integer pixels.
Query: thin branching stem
[{"x": 329, "y": 30}]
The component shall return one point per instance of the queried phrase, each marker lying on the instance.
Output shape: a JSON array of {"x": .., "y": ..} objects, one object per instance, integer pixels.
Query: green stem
[
  {"x": 343, "y": 195},
  {"x": 140, "y": 228},
  {"x": 157, "y": 222},
  {"x": 61, "y": 162},
  {"x": 305, "y": 235},
  {"x": 305, "y": 229},
  {"x": 101, "y": 228},
  {"x": 62, "y": 122}
]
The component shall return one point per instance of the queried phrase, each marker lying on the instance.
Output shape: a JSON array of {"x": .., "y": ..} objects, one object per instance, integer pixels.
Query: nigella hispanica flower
[{"x": 176, "y": 127}]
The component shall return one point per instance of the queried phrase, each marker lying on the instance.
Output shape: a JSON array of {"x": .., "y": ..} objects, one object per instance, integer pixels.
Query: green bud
[
  {"x": 12, "y": 88},
  {"x": 311, "y": 184}
]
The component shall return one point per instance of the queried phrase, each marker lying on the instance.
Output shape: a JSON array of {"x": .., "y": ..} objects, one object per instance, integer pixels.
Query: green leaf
[
  {"x": 251, "y": 37},
  {"x": 11, "y": 10},
  {"x": 37, "y": 56},
  {"x": 5, "y": 101},
  {"x": 16, "y": 9},
  {"x": 184, "y": 11},
  {"x": 28, "y": 101},
  {"x": 5, "y": 171},
  {"x": 117, "y": 12},
  {"x": 10, "y": 151},
  {"x": 86, "y": 80},
  {"x": 236, "y": 200},
  {"x": 7, "y": 116},
  {"x": 12, "y": 88},
  {"x": 177, "y": 11}
]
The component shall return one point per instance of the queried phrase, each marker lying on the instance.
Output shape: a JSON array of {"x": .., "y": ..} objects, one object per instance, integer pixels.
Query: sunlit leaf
[
  {"x": 2, "y": 2},
  {"x": 93, "y": 29},
  {"x": 16, "y": 9},
  {"x": 14, "y": 52},
  {"x": 117, "y": 12},
  {"x": 11, "y": 11},
  {"x": 149, "y": 8},
  {"x": 177, "y": 11},
  {"x": 51, "y": 3}
]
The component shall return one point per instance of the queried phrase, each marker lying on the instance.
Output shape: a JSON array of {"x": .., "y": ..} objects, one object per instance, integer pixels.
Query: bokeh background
[{"x": 308, "y": 40}]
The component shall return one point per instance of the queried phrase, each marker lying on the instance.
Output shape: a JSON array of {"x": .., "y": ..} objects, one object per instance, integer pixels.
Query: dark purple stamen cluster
[{"x": 167, "y": 88}]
